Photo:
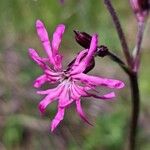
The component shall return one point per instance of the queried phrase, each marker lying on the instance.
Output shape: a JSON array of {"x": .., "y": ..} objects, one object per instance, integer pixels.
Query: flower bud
[
  {"x": 102, "y": 51},
  {"x": 141, "y": 9},
  {"x": 83, "y": 38}
]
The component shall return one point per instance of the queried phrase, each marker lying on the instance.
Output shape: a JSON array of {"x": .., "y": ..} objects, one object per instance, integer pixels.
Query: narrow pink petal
[
  {"x": 74, "y": 94},
  {"x": 52, "y": 73},
  {"x": 75, "y": 62},
  {"x": 34, "y": 55},
  {"x": 45, "y": 60},
  {"x": 58, "y": 62},
  {"x": 59, "y": 117},
  {"x": 79, "y": 57},
  {"x": 83, "y": 92},
  {"x": 80, "y": 90},
  {"x": 53, "y": 95},
  {"x": 43, "y": 36},
  {"x": 93, "y": 48},
  {"x": 53, "y": 77},
  {"x": 57, "y": 37},
  {"x": 64, "y": 98},
  {"x": 98, "y": 81},
  {"x": 40, "y": 81},
  {"x": 45, "y": 92},
  {"x": 84, "y": 63},
  {"x": 108, "y": 96},
  {"x": 80, "y": 112}
]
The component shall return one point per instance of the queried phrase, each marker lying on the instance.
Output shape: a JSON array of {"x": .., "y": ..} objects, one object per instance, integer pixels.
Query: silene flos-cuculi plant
[{"x": 74, "y": 82}]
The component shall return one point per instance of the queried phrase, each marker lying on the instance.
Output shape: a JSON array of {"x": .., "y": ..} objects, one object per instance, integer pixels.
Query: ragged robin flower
[{"x": 73, "y": 82}]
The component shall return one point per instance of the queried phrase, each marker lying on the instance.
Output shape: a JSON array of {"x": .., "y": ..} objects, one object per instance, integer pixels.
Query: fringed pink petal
[
  {"x": 43, "y": 36},
  {"x": 73, "y": 93},
  {"x": 80, "y": 57},
  {"x": 64, "y": 105},
  {"x": 92, "y": 49},
  {"x": 58, "y": 62},
  {"x": 52, "y": 73},
  {"x": 40, "y": 81},
  {"x": 85, "y": 61},
  {"x": 45, "y": 92},
  {"x": 98, "y": 81},
  {"x": 58, "y": 118},
  {"x": 64, "y": 98},
  {"x": 79, "y": 90},
  {"x": 57, "y": 37},
  {"x": 53, "y": 95},
  {"x": 83, "y": 92},
  {"x": 80, "y": 112},
  {"x": 108, "y": 96},
  {"x": 52, "y": 76},
  {"x": 34, "y": 55}
]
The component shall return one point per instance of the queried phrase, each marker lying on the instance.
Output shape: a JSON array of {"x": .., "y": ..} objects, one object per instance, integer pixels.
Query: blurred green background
[{"x": 21, "y": 125}]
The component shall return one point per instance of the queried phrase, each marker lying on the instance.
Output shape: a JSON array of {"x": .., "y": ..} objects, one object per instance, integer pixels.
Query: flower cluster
[{"x": 72, "y": 83}]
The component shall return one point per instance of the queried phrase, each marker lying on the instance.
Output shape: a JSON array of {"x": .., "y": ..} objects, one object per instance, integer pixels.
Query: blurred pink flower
[
  {"x": 73, "y": 83},
  {"x": 61, "y": 1},
  {"x": 141, "y": 9}
]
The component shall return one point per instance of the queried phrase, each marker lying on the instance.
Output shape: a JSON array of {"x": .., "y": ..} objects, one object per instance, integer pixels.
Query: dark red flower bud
[
  {"x": 83, "y": 38},
  {"x": 144, "y": 4},
  {"x": 102, "y": 51},
  {"x": 141, "y": 9}
]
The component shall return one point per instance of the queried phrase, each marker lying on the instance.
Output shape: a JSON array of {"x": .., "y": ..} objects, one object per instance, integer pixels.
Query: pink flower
[
  {"x": 61, "y": 1},
  {"x": 73, "y": 83},
  {"x": 141, "y": 9}
]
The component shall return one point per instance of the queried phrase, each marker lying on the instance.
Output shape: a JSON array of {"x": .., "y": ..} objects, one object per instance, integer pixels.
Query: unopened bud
[
  {"x": 83, "y": 38},
  {"x": 141, "y": 9},
  {"x": 102, "y": 51}
]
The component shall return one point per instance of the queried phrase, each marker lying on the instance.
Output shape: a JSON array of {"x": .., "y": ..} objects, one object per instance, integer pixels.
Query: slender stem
[
  {"x": 135, "y": 110},
  {"x": 133, "y": 65},
  {"x": 136, "y": 51},
  {"x": 119, "y": 31}
]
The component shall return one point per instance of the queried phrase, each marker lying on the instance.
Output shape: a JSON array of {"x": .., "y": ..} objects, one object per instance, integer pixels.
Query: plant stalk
[
  {"x": 119, "y": 30},
  {"x": 135, "y": 110},
  {"x": 137, "y": 49}
]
